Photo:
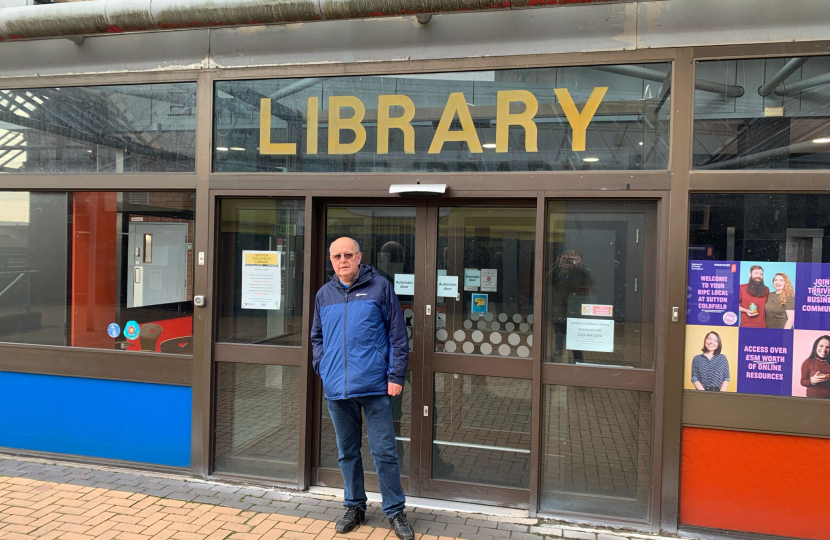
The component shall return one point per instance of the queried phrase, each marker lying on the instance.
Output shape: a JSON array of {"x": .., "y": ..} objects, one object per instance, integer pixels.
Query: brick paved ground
[{"x": 45, "y": 500}]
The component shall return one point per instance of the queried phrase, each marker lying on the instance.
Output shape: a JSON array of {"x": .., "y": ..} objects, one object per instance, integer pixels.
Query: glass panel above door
[
  {"x": 485, "y": 262},
  {"x": 535, "y": 119},
  {"x": 600, "y": 283}
]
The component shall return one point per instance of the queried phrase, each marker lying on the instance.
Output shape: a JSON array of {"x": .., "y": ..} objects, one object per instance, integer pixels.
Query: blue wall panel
[{"x": 143, "y": 422}]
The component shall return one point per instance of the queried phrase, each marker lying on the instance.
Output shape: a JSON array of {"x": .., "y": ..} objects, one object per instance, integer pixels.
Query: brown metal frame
[{"x": 672, "y": 408}]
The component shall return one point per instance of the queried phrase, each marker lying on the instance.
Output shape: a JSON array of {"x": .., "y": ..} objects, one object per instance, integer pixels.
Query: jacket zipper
[
  {"x": 346, "y": 349},
  {"x": 346, "y": 344}
]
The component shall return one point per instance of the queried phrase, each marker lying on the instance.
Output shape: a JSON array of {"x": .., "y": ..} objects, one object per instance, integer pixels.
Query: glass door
[
  {"x": 391, "y": 241},
  {"x": 476, "y": 442},
  {"x": 598, "y": 379}
]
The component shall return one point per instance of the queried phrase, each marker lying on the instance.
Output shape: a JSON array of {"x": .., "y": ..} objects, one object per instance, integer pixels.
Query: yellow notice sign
[
  {"x": 262, "y": 258},
  {"x": 261, "y": 280}
]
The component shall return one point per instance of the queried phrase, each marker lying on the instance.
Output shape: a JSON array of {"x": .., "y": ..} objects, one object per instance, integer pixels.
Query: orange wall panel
[{"x": 755, "y": 482}]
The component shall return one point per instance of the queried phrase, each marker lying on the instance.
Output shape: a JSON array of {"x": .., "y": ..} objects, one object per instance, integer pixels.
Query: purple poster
[
  {"x": 765, "y": 361},
  {"x": 812, "y": 296},
  {"x": 712, "y": 293}
]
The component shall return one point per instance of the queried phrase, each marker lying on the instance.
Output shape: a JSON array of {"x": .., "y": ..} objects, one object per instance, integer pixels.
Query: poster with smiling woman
[
  {"x": 711, "y": 358},
  {"x": 811, "y": 371}
]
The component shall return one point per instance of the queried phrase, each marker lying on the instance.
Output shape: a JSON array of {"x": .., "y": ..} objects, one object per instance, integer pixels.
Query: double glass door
[
  {"x": 480, "y": 315},
  {"x": 464, "y": 276}
]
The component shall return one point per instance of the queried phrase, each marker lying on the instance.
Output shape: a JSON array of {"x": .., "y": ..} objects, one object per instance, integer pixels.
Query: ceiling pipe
[
  {"x": 660, "y": 76},
  {"x": 788, "y": 69},
  {"x": 804, "y": 84},
  {"x": 117, "y": 16}
]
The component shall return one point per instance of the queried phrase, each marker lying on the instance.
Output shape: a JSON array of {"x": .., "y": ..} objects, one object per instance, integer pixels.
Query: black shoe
[
  {"x": 403, "y": 529},
  {"x": 354, "y": 517}
]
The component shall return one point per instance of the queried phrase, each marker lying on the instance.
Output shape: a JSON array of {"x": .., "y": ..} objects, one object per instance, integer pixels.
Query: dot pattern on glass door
[{"x": 491, "y": 333}]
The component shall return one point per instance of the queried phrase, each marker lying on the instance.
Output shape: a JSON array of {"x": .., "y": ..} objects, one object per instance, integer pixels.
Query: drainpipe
[
  {"x": 660, "y": 76},
  {"x": 117, "y": 16},
  {"x": 788, "y": 69}
]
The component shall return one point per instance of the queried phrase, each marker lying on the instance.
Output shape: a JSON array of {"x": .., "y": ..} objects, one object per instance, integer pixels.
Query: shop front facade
[{"x": 567, "y": 233}]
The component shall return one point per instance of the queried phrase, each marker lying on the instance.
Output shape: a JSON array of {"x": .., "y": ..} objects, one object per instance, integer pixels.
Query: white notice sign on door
[
  {"x": 447, "y": 286},
  {"x": 489, "y": 278},
  {"x": 261, "y": 279},
  {"x": 405, "y": 284},
  {"x": 590, "y": 335},
  {"x": 472, "y": 279}
]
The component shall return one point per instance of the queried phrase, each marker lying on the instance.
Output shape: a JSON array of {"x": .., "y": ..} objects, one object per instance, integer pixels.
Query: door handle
[{"x": 137, "y": 275}]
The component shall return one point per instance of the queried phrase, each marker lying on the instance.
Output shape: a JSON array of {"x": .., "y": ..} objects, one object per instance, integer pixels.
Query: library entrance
[{"x": 467, "y": 275}]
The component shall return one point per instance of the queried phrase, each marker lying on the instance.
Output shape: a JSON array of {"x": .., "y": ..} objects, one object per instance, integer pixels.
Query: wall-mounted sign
[{"x": 347, "y": 113}]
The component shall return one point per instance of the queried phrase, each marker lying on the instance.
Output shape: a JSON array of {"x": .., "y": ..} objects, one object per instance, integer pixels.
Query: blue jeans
[{"x": 348, "y": 428}]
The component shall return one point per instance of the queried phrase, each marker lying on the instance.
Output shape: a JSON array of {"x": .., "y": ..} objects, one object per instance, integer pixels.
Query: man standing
[
  {"x": 361, "y": 351},
  {"x": 753, "y": 298}
]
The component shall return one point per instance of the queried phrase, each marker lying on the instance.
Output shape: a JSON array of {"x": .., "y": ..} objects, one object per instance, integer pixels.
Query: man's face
[
  {"x": 344, "y": 259},
  {"x": 757, "y": 275}
]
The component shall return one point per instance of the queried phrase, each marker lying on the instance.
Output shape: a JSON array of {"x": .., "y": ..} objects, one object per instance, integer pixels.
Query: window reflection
[
  {"x": 113, "y": 129},
  {"x": 756, "y": 123}
]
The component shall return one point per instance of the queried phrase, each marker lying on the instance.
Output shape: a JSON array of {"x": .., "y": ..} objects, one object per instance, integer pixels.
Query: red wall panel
[
  {"x": 755, "y": 482},
  {"x": 93, "y": 268}
]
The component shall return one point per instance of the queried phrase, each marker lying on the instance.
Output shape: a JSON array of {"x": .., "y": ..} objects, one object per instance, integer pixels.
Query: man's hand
[{"x": 393, "y": 389}]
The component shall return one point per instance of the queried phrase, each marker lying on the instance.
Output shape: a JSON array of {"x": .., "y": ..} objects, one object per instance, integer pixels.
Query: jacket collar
[{"x": 364, "y": 274}]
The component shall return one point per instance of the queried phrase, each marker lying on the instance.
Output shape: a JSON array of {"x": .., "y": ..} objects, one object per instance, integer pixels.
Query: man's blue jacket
[{"x": 359, "y": 336}]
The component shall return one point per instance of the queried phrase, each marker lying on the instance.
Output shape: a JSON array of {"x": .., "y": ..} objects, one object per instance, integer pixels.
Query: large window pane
[
  {"x": 628, "y": 107},
  {"x": 402, "y": 418},
  {"x": 260, "y": 271},
  {"x": 481, "y": 430},
  {"x": 600, "y": 283},
  {"x": 596, "y": 446},
  {"x": 257, "y": 420},
  {"x": 107, "y": 270},
  {"x": 486, "y": 260},
  {"x": 748, "y": 122},
  {"x": 758, "y": 312},
  {"x": 98, "y": 129}
]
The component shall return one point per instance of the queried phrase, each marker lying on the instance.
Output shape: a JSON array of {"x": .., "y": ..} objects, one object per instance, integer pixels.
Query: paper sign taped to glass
[
  {"x": 590, "y": 335},
  {"x": 261, "y": 279}
]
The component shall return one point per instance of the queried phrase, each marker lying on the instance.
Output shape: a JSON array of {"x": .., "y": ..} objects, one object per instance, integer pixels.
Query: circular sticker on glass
[
  {"x": 113, "y": 330},
  {"x": 703, "y": 317},
  {"x": 131, "y": 330},
  {"x": 730, "y": 318}
]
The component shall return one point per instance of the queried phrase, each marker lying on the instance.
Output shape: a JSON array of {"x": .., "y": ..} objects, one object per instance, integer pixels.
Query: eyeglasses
[{"x": 344, "y": 256}]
